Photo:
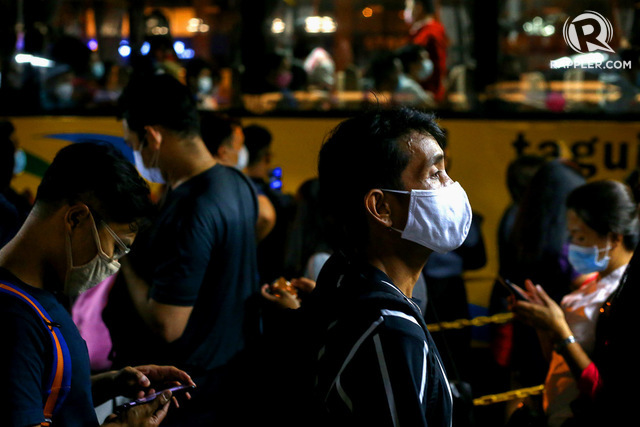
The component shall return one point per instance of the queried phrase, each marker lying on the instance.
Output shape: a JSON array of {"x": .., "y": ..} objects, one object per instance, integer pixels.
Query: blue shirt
[{"x": 25, "y": 361}]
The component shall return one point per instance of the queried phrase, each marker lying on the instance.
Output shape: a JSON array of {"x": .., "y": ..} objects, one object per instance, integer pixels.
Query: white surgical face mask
[
  {"x": 243, "y": 158},
  {"x": 64, "y": 91},
  {"x": 426, "y": 69},
  {"x": 151, "y": 174},
  {"x": 83, "y": 277},
  {"x": 20, "y": 161},
  {"x": 205, "y": 84},
  {"x": 438, "y": 219}
]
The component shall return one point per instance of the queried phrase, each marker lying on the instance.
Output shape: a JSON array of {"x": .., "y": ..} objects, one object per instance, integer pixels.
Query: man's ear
[
  {"x": 75, "y": 215},
  {"x": 154, "y": 136},
  {"x": 378, "y": 208}
]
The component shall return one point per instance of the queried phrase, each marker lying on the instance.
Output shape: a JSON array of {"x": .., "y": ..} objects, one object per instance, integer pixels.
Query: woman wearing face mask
[{"x": 603, "y": 226}]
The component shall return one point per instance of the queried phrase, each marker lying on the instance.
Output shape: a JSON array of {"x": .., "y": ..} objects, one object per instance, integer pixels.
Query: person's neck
[
  {"x": 402, "y": 267},
  {"x": 25, "y": 258},
  {"x": 618, "y": 258},
  {"x": 188, "y": 159}
]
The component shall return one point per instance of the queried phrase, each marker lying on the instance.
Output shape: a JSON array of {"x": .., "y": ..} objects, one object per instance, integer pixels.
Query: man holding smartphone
[{"x": 89, "y": 207}]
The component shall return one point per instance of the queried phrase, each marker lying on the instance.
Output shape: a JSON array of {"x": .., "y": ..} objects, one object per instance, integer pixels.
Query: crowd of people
[
  {"x": 303, "y": 75},
  {"x": 304, "y": 310}
]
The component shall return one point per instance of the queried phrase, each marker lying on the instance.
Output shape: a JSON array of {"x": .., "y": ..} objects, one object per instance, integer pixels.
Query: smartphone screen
[
  {"x": 513, "y": 290},
  {"x": 180, "y": 389}
]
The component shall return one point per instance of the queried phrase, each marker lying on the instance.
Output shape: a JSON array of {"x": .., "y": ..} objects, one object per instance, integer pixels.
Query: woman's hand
[{"x": 541, "y": 312}]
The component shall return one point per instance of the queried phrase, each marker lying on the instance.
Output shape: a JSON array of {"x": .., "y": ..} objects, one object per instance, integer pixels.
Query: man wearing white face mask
[
  {"x": 85, "y": 218},
  {"x": 370, "y": 359}
]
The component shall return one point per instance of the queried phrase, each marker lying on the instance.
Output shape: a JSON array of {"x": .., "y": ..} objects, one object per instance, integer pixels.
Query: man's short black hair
[
  {"x": 159, "y": 100},
  {"x": 257, "y": 139},
  {"x": 216, "y": 129},
  {"x": 363, "y": 153},
  {"x": 410, "y": 54},
  {"x": 101, "y": 177}
]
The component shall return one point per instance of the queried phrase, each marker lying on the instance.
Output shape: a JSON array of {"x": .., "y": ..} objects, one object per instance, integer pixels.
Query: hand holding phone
[
  {"x": 176, "y": 391},
  {"x": 514, "y": 290}
]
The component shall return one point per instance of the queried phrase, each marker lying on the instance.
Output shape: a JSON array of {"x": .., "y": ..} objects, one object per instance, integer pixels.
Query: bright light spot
[
  {"x": 178, "y": 47},
  {"x": 36, "y": 61},
  {"x": 528, "y": 26},
  {"x": 196, "y": 25},
  {"x": 124, "y": 50},
  {"x": 319, "y": 24},
  {"x": 186, "y": 54},
  {"x": 548, "y": 30},
  {"x": 159, "y": 31},
  {"x": 367, "y": 12},
  {"x": 275, "y": 185},
  {"x": 146, "y": 47},
  {"x": 277, "y": 26},
  {"x": 92, "y": 45}
]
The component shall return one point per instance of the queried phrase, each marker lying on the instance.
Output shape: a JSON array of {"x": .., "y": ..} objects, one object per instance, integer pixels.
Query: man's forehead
[{"x": 422, "y": 142}]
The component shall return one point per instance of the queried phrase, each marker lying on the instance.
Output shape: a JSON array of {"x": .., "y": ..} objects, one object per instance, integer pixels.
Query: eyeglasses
[{"x": 121, "y": 249}]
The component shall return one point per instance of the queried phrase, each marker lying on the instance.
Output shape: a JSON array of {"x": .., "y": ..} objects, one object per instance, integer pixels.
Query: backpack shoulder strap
[{"x": 60, "y": 377}]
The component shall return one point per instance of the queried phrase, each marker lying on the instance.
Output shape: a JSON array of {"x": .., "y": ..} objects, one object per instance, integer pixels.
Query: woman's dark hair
[
  {"x": 100, "y": 176},
  {"x": 519, "y": 174},
  {"x": 365, "y": 152},
  {"x": 540, "y": 229},
  {"x": 607, "y": 207}
]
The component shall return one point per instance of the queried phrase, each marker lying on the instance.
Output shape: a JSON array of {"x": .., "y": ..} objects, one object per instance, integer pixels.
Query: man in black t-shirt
[{"x": 188, "y": 280}]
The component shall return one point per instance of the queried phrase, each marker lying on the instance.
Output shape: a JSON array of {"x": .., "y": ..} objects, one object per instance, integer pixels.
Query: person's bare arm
[
  {"x": 266, "y": 217},
  {"x": 165, "y": 320}
]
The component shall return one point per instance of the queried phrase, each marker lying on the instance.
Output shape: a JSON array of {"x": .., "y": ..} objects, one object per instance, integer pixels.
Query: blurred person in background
[
  {"x": 602, "y": 220},
  {"x": 224, "y": 138},
  {"x": 426, "y": 31},
  {"x": 540, "y": 254},
  {"x": 202, "y": 80},
  {"x": 14, "y": 208},
  {"x": 394, "y": 86},
  {"x": 271, "y": 250}
]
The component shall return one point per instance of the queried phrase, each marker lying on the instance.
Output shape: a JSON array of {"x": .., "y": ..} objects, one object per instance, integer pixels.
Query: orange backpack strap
[{"x": 59, "y": 382}]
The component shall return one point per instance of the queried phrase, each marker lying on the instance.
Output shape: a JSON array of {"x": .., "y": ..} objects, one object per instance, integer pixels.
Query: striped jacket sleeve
[{"x": 383, "y": 374}]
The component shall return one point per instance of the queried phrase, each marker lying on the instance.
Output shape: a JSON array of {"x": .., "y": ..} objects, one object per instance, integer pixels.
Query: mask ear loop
[{"x": 605, "y": 250}]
